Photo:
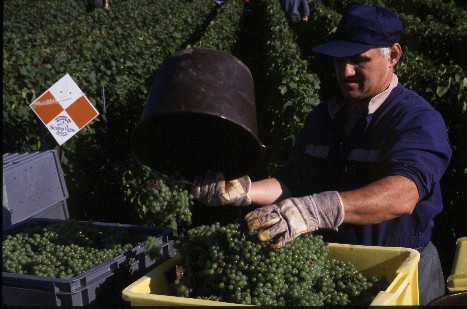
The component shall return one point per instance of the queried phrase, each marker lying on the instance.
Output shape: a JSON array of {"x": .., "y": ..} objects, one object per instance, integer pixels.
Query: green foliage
[
  {"x": 447, "y": 12},
  {"x": 442, "y": 43},
  {"x": 41, "y": 14},
  {"x": 223, "y": 30},
  {"x": 294, "y": 90}
]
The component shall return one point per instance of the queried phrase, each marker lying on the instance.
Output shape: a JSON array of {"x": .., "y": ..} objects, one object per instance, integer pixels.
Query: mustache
[{"x": 350, "y": 80}]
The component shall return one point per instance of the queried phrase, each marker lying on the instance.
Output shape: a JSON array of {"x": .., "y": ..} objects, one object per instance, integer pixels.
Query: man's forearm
[
  {"x": 268, "y": 191},
  {"x": 382, "y": 200}
]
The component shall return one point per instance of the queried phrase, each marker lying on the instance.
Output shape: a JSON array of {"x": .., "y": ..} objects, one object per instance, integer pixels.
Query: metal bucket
[{"x": 200, "y": 115}]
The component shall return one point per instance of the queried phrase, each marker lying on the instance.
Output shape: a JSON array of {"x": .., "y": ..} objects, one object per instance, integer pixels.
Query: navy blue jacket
[{"x": 405, "y": 136}]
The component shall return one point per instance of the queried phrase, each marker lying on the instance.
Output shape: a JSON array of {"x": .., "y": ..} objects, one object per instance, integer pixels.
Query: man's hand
[
  {"x": 293, "y": 217},
  {"x": 213, "y": 190}
]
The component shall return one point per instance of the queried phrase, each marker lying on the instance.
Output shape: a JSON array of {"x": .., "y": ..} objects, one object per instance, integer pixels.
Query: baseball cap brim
[{"x": 341, "y": 48}]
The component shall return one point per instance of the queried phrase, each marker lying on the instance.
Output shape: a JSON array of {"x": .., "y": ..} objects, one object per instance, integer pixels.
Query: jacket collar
[{"x": 337, "y": 102}]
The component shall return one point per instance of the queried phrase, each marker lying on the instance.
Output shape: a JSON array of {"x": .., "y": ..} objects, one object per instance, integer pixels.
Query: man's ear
[{"x": 395, "y": 54}]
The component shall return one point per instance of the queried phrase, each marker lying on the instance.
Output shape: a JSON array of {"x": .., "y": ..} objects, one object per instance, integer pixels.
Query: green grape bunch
[
  {"x": 66, "y": 248},
  {"x": 152, "y": 247},
  {"x": 159, "y": 202},
  {"x": 228, "y": 263}
]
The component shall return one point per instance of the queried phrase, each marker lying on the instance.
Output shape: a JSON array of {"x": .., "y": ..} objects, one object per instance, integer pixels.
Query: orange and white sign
[{"x": 64, "y": 109}]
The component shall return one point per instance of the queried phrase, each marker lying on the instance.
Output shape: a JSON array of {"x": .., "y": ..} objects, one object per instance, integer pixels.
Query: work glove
[
  {"x": 214, "y": 190},
  {"x": 295, "y": 216}
]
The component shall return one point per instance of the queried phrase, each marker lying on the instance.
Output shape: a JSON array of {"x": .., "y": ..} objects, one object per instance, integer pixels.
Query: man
[
  {"x": 296, "y": 10},
  {"x": 367, "y": 165}
]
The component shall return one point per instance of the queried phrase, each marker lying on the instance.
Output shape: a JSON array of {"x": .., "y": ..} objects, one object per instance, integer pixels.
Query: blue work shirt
[{"x": 405, "y": 136}]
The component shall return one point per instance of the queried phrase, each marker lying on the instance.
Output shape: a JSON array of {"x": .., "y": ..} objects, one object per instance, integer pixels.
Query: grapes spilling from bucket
[
  {"x": 227, "y": 263},
  {"x": 169, "y": 203}
]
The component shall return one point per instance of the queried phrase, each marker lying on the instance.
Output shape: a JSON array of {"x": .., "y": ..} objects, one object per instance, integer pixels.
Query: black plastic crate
[{"x": 100, "y": 285}]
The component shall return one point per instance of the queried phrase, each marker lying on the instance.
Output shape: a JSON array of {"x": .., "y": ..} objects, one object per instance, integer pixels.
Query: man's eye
[{"x": 359, "y": 59}]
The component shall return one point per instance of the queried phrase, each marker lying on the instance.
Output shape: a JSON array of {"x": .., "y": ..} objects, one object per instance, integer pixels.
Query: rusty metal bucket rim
[
  {"x": 198, "y": 113},
  {"x": 252, "y": 134},
  {"x": 261, "y": 147}
]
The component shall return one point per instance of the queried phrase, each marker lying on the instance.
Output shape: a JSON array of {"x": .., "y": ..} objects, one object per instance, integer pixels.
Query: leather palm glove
[
  {"x": 214, "y": 190},
  {"x": 295, "y": 216}
]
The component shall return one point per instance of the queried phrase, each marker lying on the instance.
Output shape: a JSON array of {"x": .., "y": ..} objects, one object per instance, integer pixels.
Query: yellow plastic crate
[
  {"x": 457, "y": 281},
  {"x": 398, "y": 265}
]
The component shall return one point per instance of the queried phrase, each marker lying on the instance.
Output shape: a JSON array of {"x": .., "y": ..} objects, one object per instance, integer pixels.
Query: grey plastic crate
[
  {"x": 33, "y": 186},
  {"x": 100, "y": 285}
]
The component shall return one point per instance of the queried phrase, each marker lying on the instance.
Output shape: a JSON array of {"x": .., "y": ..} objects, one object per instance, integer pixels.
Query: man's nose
[{"x": 345, "y": 69}]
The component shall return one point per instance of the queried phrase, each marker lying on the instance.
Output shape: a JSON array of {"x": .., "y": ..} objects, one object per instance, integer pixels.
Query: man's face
[{"x": 363, "y": 76}]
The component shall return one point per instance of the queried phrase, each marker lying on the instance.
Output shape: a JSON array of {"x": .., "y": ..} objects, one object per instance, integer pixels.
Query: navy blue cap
[{"x": 362, "y": 28}]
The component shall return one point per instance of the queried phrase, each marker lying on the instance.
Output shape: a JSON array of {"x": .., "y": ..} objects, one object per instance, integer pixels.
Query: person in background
[
  {"x": 366, "y": 167},
  {"x": 97, "y": 4},
  {"x": 248, "y": 4},
  {"x": 296, "y": 10},
  {"x": 218, "y": 3}
]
